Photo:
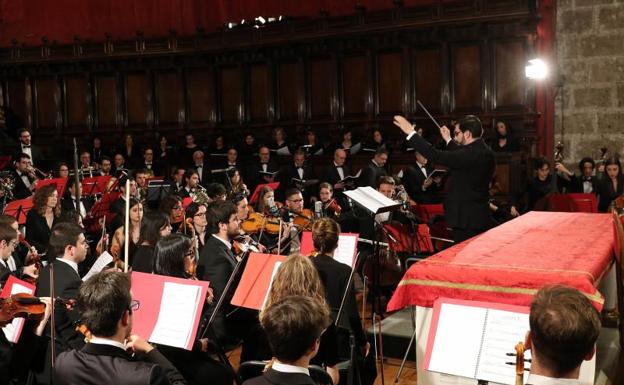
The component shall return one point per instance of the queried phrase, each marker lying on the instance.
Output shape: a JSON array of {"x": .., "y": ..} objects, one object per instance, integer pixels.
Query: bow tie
[
  {"x": 199, "y": 165},
  {"x": 299, "y": 168},
  {"x": 587, "y": 179},
  {"x": 25, "y": 146}
]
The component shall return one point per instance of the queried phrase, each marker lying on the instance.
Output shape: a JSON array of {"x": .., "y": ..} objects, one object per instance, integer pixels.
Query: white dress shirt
[
  {"x": 73, "y": 264},
  {"x": 534, "y": 379},
  {"x": 107, "y": 341},
  {"x": 286, "y": 368}
]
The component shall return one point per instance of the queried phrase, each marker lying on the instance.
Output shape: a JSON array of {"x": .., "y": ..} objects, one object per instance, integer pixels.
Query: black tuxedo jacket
[
  {"x": 370, "y": 175},
  {"x": 606, "y": 193},
  {"x": 331, "y": 174},
  {"x": 413, "y": 180},
  {"x": 37, "y": 231},
  {"x": 285, "y": 178},
  {"x": 273, "y": 377},
  {"x": 253, "y": 173},
  {"x": 205, "y": 177},
  {"x": 575, "y": 184},
  {"x": 335, "y": 277},
  {"x": 471, "y": 170},
  {"x": 96, "y": 364},
  {"x": 157, "y": 168},
  {"x": 20, "y": 191},
  {"x": 5, "y": 272},
  {"x": 35, "y": 152},
  {"x": 68, "y": 204}
]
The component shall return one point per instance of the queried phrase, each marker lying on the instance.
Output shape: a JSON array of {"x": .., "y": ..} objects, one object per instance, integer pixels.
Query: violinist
[
  {"x": 242, "y": 212},
  {"x": 118, "y": 207},
  {"x": 42, "y": 217},
  {"x": 330, "y": 207},
  {"x": 68, "y": 248},
  {"x": 8, "y": 241},
  {"x": 171, "y": 205},
  {"x": 295, "y": 213},
  {"x": 196, "y": 214},
  {"x": 172, "y": 255},
  {"x": 117, "y": 243},
  {"x": 154, "y": 226},
  {"x": 106, "y": 307},
  {"x": 14, "y": 263}
]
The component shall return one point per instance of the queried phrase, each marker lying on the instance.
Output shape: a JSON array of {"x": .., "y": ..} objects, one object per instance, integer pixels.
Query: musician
[
  {"x": 330, "y": 206},
  {"x": 419, "y": 186},
  {"x": 248, "y": 150},
  {"x": 96, "y": 151},
  {"x": 611, "y": 186},
  {"x": 117, "y": 248},
  {"x": 171, "y": 205},
  {"x": 585, "y": 183},
  {"x": 68, "y": 204},
  {"x": 236, "y": 185},
  {"x": 374, "y": 169},
  {"x": 177, "y": 179},
  {"x": 172, "y": 255},
  {"x": 24, "y": 176},
  {"x": 559, "y": 348},
  {"x": 8, "y": 242},
  {"x": 335, "y": 278},
  {"x": 279, "y": 142},
  {"x": 191, "y": 183},
  {"x": 196, "y": 215},
  {"x": 310, "y": 145},
  {"x": 105, "y": 166},
  {"x": 338, "y": 170},
  {"x": 266, "y": 201},
  {"x": 472, "y": 166},
  {"x": 267, "y": 165},
  {"x": 503, "y": 141},
  {"x": 68, "y": 248},
  {"x": 15, "y": 262},
  {"x": 85, "y": 164},
  {"x": 218, "y": 145},
  {"x": 140, "y": 177},
  {"x": 293, "y": 208},
  {"x": 231, "y": 158},
  {"x": 25, "y": 146},
  {"x": 120, "y": 164},
  {"x": 149, "y": 163},
  {"x": 294, "y": 327},
  {"x": 42, "y": 217},
  {"x": 298, "y": 170},
  {"x": 541, "y": 185},
  {"x": 106, "y": 310},
  {"x": 154, "y": 225},
  {"x": 166, "y": 153},
  {"x": 202, "y": 170},
  {"x": 216, "y": 192},
  {"x": 185, "y": 154},
  {"x": 346, "y": 142},
  {"x": 118, "y": 207},
  {"x": 62, "y": 171},
  {"x": 216, "y": 265}
]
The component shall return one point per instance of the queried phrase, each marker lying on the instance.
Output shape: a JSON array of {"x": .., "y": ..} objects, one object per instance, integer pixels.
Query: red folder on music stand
[
  {"x": 256, "y": 193},
  {"x": 60, "y": 184},
  {"x": 256, "y": 280},
  {"x": 162, "y": 314},
  {"x": 18, "y": 209},
  {"x": 13, "y": 330},
  {"x": 95, "y": 185}
]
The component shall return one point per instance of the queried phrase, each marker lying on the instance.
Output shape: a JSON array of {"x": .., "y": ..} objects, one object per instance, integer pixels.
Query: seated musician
[
  {"x": 154, "y": 225},
  {"x": 24, "y": 176},
  {"x": 540, "y": 186},
  {"x": 335, "y": 277},
  {"x": 387, "y": 186},
  {"x": 140, "y": 176},
  {"x": 564, "y": 327},
  {"x": 17, "y": 264},
  {"x": 583, "y": 183},
  {"x": 294, "y": 328},
  {"x": 42, "y": 217},
  {"x": 177, "y": 180},
  {"x": 152, "y": 167},
  {"x": 171, "y": 205},
  {"x": 236, "y": 185},
  {"x": 258, "y": 170},
  {"x": 173, "y": 255},
  {"x": 62, "y": 171},
  {"x": 68, "y": 248},
  {"x": 419, "y": 185},
  {"x": 201, "y": 168},
  {"x": 68, "y": 203},
  {"x": 196, "y": 216},
  {"x": 300, "y": 171},
  {"x": 216, "y": 192},
  {"x": 106, "y": 308},
  {"x": 117, "y": 248},
  {"x": 611, "y": 185},
  {"x": 293, "y": 210},
  {"x": 374, "y": 169},
  {"x": 330, "y": 206},
  {"x": 119, "y": 164},
  {"x": 86, "y": 168},
  {"x": 105, "y": 166},
  {"x": 191, "y": 183},
  {"x": 216, "y": 265}
]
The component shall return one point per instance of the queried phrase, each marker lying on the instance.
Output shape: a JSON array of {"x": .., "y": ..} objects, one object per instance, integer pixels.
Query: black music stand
[{"x": 156, "y": 191}]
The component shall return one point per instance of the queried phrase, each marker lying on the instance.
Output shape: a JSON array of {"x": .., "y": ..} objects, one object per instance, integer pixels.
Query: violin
[
  {"x": 303, "y": 220},
  {"x": 244, "y": 243},
  {"x": 332, "y": 206},
  {"x": 20, "y": 305},
  {"x": 32, "y": 258},
  {"x": 256, "y": 222}
]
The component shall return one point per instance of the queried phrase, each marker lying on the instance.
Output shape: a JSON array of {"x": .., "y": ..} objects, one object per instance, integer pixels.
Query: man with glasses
[
  {"x": 471, "y": 167},
  {"x": 8, "y": 241},
  {"x": 106, "y": 308},
  {"x": 264, "y": 171}
]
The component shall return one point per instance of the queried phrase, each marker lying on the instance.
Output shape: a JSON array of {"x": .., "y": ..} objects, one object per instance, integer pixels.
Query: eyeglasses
[{"x": 134, "y": 305}]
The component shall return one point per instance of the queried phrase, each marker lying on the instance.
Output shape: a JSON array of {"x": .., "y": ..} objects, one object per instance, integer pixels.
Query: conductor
[{"x": 471, "y": 169}]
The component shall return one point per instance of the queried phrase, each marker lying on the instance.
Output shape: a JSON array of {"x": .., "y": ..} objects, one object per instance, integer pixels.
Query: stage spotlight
[{"x": 536, "y": 69}]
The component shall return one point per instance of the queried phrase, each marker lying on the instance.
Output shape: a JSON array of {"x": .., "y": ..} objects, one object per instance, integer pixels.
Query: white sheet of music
[
  {"x": 104, "y": 259},
  {"x": 370, "y": 198},
  {"x": 177, "y": 314},
  {"x": 266, "y": 295},
  {"x": 11, "y": 330},
  {"x": 346, "y": 249}
]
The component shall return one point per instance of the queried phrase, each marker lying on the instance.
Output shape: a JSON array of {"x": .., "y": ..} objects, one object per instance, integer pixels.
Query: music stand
[
  {"x": 18, "y": 209},
  {"x": 61, "y": 183},
  {"x": 256, "y": 193},
  {"x": 157, "y": 190},
  {"x": 95, "y": 185}
]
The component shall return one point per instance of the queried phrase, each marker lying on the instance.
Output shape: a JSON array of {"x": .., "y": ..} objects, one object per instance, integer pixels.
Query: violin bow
[
  {"x": 428, "y": 114},
  {"x": 52, "y": 325},
  {"x": 127, "y": 226}
]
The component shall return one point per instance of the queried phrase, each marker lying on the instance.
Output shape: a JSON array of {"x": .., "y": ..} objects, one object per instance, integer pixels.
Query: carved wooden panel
[
  {"x": 355, "y": 83},
  {"x": 259, "y": 92},
  {"x": 231, "y": 94},
  {"x": 288, "y": 91},
  {"x": 201, "y": 94},
  {"x": 321, "y": 84},
  {"x": 390, "y": 82},
  {"x": 76, "y": 94},
  {"x": 466, "y": 75},
  {"x": 170, "y": 100},
  {"x": 428, "y": 78},
  {"x": 48, "y": 98},
  {"x": 17, "y": 95},
  {"x": 509, "y": 79},
  {"x": 137, "y": 96},
  {"x": 106, "y": 99}
]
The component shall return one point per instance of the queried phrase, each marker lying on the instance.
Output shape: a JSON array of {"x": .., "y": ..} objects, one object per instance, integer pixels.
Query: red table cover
[{"x": 511, "y": 262}]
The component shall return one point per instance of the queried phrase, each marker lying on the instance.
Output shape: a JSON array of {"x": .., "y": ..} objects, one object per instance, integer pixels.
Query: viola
[{"x": 255, "y": 222}]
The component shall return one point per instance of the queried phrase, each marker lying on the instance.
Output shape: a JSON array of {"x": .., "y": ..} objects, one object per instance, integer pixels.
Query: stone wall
[{"x": 590, "y": 57}]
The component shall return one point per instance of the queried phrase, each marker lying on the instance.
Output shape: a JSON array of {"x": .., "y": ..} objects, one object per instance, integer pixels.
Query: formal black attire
[
  {"x": 606, "y": 193},
  {"x": 185, "y": 156},
  {"x": 97, "y": 154},
  {"x": 20, "y": 191},
  {"x": 537, "y": 191},
  {"x": 578, "y": 183},
  {"x": 205, "y": 176},
  {"x": 466, "y": 207},
  {"x": 37, "y": 231},
  {"x": 510, "y": 146},
  {"x": 154, "y": 166},
  {"x": 273, "y": 377},
  {"x": 35, "y": 152},
  {"x": 371, "y": 174},
  {"x": 413, "y": 180},
  {"x": 143, "y": 259},
  {"x": 255, "y": 177},
  {"x": 286, "y": 175},
  {"x": 68, "y": 204},
  {"x": 332, "y": 176},
  {"x": 97, "y": 364}
]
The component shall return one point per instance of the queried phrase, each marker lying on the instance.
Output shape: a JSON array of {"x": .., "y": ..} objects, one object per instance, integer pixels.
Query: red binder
[
  {"x": 256, "y": 280},
  {"x": 13, "y": 331},
  {"x": 256, "y": 193},
  {"x": 19, "y": 209},
  {"x": 95, "y": 185},
  {"x": 60, "y": 184}
]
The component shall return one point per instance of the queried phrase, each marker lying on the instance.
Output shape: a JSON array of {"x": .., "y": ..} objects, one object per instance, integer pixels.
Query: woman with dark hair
[
  {"x": 117, "y": 248},
  {"x": 153, "y": 226},
  {"x": 172, "y": 257},
  {"x": 42, "y": 217},
  {"x": 346, "y": 142},
  {"x": 236, "y": 185},
  {"x": 165, "y": 153},
  {"x": 171, "y": 205},
  {"x": 279, "y": 140},
  {"x": 612, "y": 185},
  {"x": 248, "y": 149},
  {"x": 503, "y": 142},
  {"x": 62, "y": 171},
  {"x": 196, "y": 213},
  {"x": 376, "y": 142},
  {"x": 311, "y": 144},
  {"x": 129, "y": 150}
]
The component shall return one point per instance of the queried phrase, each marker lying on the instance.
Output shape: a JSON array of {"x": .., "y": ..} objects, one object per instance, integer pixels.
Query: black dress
[
  {"x": 37, "y": 231},
  {"x": 143, "y": 259}
]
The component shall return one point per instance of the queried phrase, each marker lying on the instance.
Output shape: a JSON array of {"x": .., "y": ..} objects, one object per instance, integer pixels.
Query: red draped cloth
[{"x": 511, "y": 262}]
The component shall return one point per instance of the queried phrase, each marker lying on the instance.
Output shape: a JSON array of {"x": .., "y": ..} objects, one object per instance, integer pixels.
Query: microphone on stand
[
  {"x": 318, "y": 209},
  {"x": 273, "y": 210}
]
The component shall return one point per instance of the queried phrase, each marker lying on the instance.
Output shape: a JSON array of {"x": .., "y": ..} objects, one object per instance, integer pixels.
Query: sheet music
[
  {"x": 504, "y": 329},
  {"x": 266, "y": 296},
  {"x": 104, "y": 259},
  {"x": 370, "y": 198},
  {"x": 12, "y": 330},
  {"x": 177, "y": 314},
  {"x": 283, "y": 151},
  {"x": 355, "y": 148},
  {"x": 346, "y": 249},
  {"x": 457, "y": 340}
]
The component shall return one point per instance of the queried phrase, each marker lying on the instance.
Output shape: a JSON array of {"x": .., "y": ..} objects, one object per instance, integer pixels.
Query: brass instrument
[
  {"x": 7, "y": 184},
  {"x": 559, "y": 153},
  {"x": 33, "y": 171},
  {"x": 200, "y": 195}
]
